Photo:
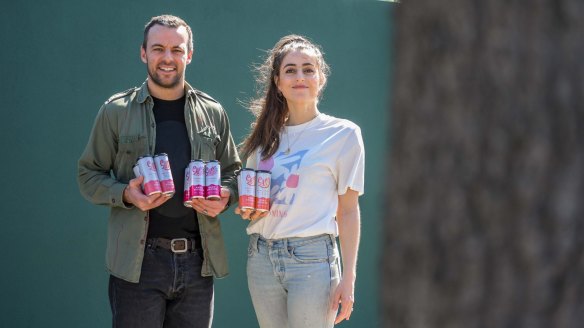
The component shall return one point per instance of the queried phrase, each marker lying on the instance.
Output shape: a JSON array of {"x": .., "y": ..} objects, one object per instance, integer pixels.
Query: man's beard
[{"x": 153, "y": 75}]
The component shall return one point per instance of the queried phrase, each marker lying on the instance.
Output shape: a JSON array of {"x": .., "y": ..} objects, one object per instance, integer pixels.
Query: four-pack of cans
[
  {"x": 202, "y": 180},
  {"x": 157, "y": 174},
  {"x": 254, "y": 189}
]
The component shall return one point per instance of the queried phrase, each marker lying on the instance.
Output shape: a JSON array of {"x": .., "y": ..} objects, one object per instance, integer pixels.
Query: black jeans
[{"x": 171, "y": 293}]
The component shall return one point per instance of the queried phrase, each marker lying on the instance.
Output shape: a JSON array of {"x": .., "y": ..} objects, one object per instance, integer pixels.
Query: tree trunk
[{"x": 486, "y": 182}]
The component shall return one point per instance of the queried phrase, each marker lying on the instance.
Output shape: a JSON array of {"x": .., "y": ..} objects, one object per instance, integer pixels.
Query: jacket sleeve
[
  {"x": 94, "y": 170},
  {"x": 227, "y": 155}
]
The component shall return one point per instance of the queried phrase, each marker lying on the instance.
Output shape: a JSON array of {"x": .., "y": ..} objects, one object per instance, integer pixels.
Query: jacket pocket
[
  {"x": 129, "y": 149},
  {"x": 209, "y": 140}
]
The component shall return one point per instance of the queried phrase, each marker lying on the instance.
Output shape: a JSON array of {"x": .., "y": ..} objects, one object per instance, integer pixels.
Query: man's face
[{"x": 166, "y": 55}]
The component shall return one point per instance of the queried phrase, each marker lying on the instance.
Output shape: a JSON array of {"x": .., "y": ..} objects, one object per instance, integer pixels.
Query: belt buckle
[{"x": 185, "y": 243}]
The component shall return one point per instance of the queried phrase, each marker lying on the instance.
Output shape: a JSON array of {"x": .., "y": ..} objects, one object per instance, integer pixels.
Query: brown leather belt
[{"x": 177, "y": 245}]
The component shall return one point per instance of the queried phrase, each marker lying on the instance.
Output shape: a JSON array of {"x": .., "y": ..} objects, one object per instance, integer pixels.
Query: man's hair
[{"x": 168, "y": 21}]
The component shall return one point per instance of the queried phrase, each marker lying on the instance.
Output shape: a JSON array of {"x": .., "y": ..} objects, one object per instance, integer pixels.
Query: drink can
[
  {"x": 197, "y": 177},
  {"x": 262, "y": 197},
  {"x": 164, "y": 174},
  {"x": 187, "y": 188},
  {"x": 151, "y": 185},
  {"x": 136, "y": 169},
  {"x": 246, "y": 182},
  {"x": 213, "y": 180}
]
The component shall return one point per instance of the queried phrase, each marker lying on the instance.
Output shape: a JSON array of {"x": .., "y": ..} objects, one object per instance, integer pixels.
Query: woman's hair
[{"x": 270, "y": 107}]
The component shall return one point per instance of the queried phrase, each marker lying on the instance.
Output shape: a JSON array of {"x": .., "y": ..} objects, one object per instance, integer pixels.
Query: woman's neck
[{"x": 298, "y": 114}]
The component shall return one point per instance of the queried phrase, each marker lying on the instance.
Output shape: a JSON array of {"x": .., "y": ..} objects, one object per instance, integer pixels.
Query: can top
[
  {"x": 263, "y": 171},
  {"x": 247, "y": 169},
  {"x": 143, "y": 156},
  {"x": 161, "y": 154}
]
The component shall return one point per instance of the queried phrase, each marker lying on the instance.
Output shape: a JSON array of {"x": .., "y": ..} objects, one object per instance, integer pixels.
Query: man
[{"x": 161, "y": 255}]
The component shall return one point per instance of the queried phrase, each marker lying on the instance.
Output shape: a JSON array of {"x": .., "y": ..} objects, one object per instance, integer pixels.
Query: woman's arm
[{"x": 349, "y": 221}]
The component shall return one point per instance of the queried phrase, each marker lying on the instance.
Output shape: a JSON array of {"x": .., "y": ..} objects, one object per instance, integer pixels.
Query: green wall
[{"x": 61, "y": 59}]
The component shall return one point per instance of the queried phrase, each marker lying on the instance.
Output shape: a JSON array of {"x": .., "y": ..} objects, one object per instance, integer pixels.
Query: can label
[
  {"x": 262, "y": 198},
  {"x": 187, "y": 188},
  {"x": 197, "y": 172},
  {"x": 164, "y": 174},
  {"x": 213, "y": 180},
  {"x": 246, "y": 181},
  {"x": 151, "y": 185}
]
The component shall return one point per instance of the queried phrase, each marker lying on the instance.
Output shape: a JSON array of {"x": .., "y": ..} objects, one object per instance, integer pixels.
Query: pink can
[
  {"x": 150, "y": 185},
  {"x": 246, "y": 182},
  {"x": 213, "y": 180},
  {"x": 262, "y": 196},
  {"x": 187, "y": 188},
  {"x": 164, "y": 174},
  {"x": 197, "y": 172}
]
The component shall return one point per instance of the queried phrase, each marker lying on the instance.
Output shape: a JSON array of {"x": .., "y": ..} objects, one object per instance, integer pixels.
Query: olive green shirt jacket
[{"x": 125, "y": 129}]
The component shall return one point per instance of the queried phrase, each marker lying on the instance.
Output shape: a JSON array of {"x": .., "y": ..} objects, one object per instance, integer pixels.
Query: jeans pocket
[{"x": 310, "y": 253}]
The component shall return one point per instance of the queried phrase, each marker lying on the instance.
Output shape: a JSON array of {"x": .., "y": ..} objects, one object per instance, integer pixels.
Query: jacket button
[
  {"x": 141, "y": 241},
  {"x": 113, "y": 201}
]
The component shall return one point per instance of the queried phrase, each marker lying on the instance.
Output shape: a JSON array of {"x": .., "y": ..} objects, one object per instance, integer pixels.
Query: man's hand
[
  {"x": 212, "y": 208},
  {"x": 133, "y": 195}
]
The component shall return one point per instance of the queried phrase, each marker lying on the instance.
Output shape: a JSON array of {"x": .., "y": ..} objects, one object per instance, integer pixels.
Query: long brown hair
[{"x": 270, "y": 107}]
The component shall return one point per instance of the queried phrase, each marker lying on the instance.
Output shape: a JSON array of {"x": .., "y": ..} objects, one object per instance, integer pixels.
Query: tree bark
[{"x": 486, "y": 179}]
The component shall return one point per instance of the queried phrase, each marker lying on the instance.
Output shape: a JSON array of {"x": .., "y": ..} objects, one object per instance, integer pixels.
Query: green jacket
[{"x": 124, "y": 130}]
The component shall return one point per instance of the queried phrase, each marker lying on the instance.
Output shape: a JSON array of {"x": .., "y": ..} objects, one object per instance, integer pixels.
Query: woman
[{"x": 317, "y": 166}]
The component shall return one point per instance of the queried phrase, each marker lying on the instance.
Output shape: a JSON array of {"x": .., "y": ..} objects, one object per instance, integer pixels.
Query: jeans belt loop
[
  {"x": 255, "y": 239},
  {"x": 333, "y": 240}
]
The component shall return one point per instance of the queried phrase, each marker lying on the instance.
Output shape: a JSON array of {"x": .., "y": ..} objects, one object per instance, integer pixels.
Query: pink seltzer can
[
  {"x": 197, "y": 185},
  {"x": 151, "y": 185},
  {"x": 262, "y": 197},
  {"x": 246, "y": 181},
  {"x": 213, "y": 180},
  {"x": 187, "y": 188},
  {"x": 164, "y": 173}
]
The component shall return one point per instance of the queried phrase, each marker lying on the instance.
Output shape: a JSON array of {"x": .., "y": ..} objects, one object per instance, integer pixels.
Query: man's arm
[{"x": 94, "y": 166}]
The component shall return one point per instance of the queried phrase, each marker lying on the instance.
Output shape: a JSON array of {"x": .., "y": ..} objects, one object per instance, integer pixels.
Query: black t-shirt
[{"x": 172, "y": 219}]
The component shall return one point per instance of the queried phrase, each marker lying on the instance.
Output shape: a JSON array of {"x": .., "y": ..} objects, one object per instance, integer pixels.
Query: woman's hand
[
  {"x": 344, "y": 295},
  {"x": 249, "y": 214}
]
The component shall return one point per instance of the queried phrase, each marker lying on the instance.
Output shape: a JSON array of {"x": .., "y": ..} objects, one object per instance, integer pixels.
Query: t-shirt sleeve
[{"x": 351, "y": 164}]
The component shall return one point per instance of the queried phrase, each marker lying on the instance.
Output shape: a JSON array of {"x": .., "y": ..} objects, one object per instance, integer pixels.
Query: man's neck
[{"x": 166, "y": 93}]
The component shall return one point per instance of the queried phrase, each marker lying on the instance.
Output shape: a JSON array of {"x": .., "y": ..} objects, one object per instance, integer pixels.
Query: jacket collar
[{"x": 144, "y": 94}]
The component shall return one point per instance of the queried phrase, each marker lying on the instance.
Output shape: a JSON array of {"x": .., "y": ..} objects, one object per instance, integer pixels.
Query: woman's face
[{"x": 300, "y": 79}]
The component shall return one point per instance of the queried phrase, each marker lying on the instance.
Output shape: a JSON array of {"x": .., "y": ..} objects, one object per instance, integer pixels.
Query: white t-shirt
[{"x": 327, "y": 157}]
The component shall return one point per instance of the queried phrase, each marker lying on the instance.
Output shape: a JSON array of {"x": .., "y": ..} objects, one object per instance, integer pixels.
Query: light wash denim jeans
[{"x": 291, "y": 280}]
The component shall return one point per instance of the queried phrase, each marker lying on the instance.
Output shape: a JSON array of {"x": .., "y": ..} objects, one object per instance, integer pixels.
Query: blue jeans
[
  {"x": 291, "y": 280},
  {"x": 171, "y": 293}
]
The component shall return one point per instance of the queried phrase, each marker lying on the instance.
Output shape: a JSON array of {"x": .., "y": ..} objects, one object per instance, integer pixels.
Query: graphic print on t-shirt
[{"x": 284, "y": 177}]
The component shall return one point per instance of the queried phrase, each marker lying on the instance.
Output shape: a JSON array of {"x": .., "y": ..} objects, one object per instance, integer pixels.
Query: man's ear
[
  {"x": 190, "y": 56},
  {"x": 143, "y": 55}
]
